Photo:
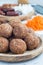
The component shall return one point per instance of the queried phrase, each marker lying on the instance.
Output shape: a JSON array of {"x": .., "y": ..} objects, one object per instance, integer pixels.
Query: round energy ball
[
  {"x": 18, "y": 46},
  {"x": 4, "y": 43},
  {"x": 14, "y": 21},
  {"x": 32, "y": 41},
  {"x": 20, "y": 31},
  {"x": 5, "y": 30}
]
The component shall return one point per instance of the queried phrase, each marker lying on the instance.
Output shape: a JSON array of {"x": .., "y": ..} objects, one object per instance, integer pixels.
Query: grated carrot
[{"x": 36, "y": 23}]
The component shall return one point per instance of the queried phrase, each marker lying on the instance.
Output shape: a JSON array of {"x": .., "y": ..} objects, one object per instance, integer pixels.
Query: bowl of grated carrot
[{"x": 36, "y": 23}]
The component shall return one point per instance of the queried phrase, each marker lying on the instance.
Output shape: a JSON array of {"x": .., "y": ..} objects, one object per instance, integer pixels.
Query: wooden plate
[{"x": 22, "y": 57}]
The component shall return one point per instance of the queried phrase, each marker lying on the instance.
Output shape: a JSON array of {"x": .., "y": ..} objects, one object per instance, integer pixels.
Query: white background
[
  {"x": 15, "y": 1},
  {"x": 36, "y": 2}
]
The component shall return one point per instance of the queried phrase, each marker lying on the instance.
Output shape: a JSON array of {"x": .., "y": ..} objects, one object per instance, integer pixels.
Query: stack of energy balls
[{"x": 16, "y": 37}]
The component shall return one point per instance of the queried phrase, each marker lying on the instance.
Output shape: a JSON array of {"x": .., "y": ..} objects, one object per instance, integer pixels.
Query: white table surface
[
  {"x": 36, "y": 61},
  {"x": 16, "y": 1}
]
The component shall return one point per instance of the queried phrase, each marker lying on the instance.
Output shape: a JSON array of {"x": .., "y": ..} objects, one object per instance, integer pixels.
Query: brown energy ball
[
  {"x": 18, "y": 46},
  {"x": 5, "y": 30},
  {"x": 30, "y": 30},
  {"x": 20, "y": 31},
  {"x": 14, "y": 21},
  {"x": 32, "y": 41},
  {"x": 3, "y": 44}
]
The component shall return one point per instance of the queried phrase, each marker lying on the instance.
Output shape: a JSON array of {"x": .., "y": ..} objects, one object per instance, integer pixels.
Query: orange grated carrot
[{"x": 36, "y": 23}]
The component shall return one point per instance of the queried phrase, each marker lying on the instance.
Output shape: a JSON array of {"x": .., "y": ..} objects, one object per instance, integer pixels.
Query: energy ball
[
  {"x": 14, "y": 21},
  {"x": 30, "y": 30},
  {"x": 4, "y": 43},
  {"x": 32, "y": 41},
  {"x": 20, "y": 31},
  {"x": 5, "y": 30},
  {"x": 18, "y": 46}
]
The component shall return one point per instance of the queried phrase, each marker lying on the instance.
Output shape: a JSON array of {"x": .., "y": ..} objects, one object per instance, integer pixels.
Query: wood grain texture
[{"x": 22, "y": 57}]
